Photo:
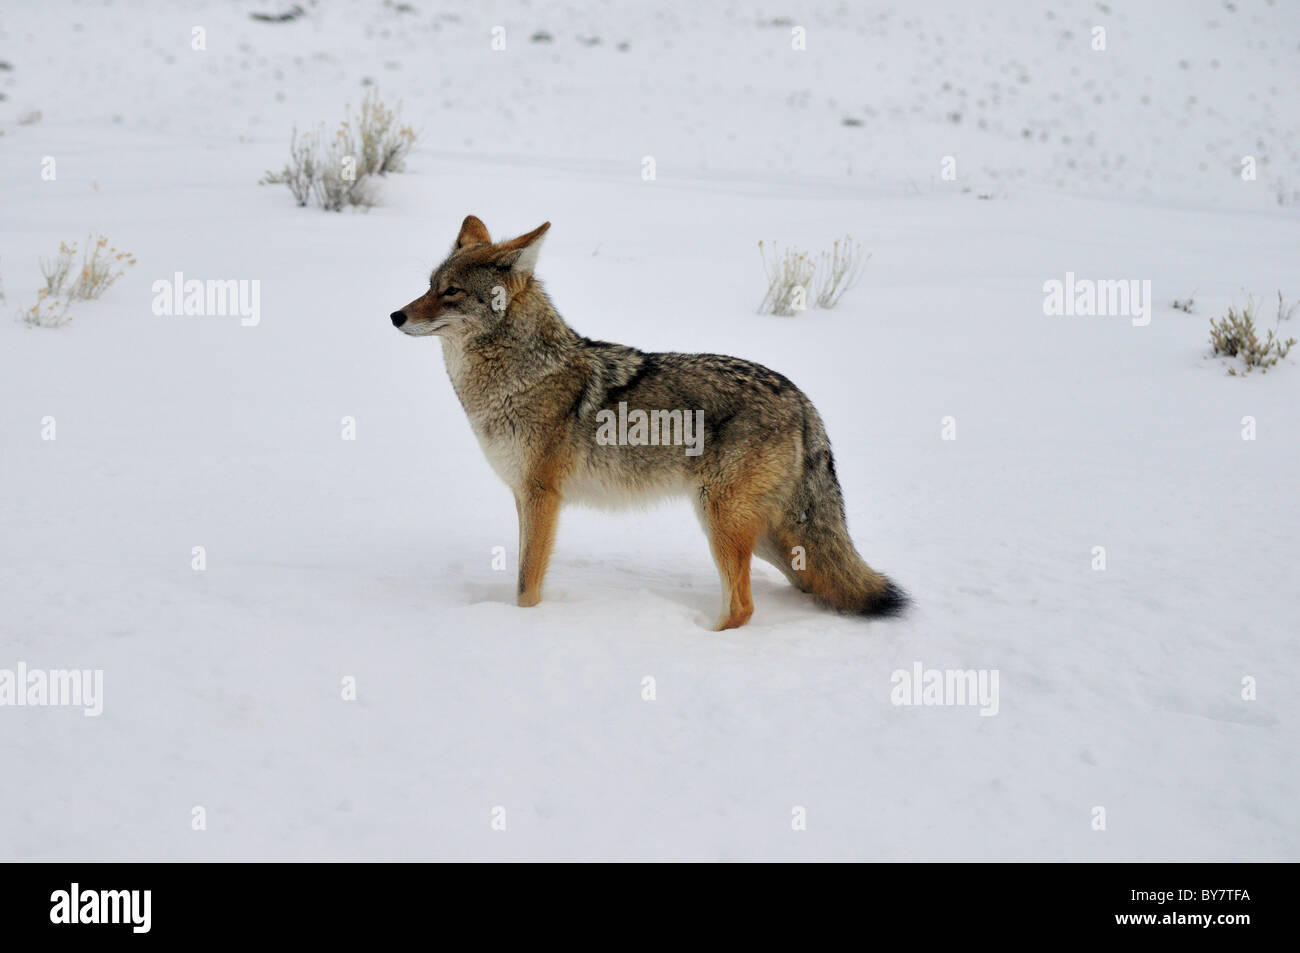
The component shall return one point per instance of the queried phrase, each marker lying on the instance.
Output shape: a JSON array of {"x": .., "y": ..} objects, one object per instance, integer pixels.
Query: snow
[{"x": 373, "y": 558}]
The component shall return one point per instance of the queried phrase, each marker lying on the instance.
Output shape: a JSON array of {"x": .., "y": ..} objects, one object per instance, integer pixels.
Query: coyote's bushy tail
[{"x": 827, "y": 565}]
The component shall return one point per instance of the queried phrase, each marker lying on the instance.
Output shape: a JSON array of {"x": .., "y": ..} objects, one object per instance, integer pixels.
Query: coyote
[{"x": 543, "y": 402}]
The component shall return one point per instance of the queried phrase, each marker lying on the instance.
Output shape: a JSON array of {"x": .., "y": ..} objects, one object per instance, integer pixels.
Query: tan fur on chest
[{"x": 506, "y": 426}]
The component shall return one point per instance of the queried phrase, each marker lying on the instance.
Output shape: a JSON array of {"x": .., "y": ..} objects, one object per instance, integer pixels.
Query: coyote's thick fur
[{"x": 563, "y": 418}]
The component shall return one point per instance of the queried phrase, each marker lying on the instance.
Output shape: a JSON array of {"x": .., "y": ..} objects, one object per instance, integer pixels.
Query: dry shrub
[{"x": 1234, "y": 335}]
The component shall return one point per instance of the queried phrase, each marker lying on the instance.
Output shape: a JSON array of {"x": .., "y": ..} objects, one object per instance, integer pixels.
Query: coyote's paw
[
  {"x": 527, "y": 600},
  {"x": 734, "y": 620}
]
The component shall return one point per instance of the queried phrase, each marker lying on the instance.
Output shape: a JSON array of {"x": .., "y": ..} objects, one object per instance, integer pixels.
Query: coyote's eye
[{"x": 451, "y": 290}]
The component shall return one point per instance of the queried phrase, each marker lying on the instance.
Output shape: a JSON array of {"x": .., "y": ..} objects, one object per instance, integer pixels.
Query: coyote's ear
[
  {"x": 472, "y": 232},
  {"x": 520, "y": 254}
]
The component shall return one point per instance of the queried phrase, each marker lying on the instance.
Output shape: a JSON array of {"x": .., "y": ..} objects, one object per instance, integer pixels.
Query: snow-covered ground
[{"x": 372, "y": 558}]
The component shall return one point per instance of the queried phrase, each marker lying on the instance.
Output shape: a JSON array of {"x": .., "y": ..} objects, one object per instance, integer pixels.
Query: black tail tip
[{"x": 890, "y": 602}]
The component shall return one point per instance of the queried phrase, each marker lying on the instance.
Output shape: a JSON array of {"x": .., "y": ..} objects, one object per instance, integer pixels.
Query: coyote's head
[{"x": 470, "y": 291}]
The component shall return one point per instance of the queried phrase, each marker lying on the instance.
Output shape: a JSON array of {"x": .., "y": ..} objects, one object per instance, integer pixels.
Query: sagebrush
[
  {"x": 838, "y": 270},
  {"x": 797, "y": 280},
  {"x": 338, "y": 170},
  {"x": 788, "y": 276},
  {"x": 101, "y": 265},
  {"x": 1234, "y": 336}
]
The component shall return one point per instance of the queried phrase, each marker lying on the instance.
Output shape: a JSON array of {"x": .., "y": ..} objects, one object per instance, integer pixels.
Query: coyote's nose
[{"x": 399, "y": 318}]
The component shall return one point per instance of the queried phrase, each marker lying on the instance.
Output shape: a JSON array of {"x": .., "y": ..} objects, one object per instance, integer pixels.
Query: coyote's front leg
[{"x": 539, "y": 510}]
